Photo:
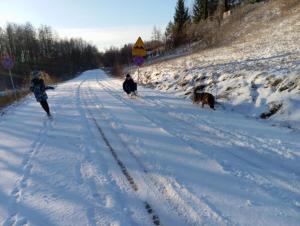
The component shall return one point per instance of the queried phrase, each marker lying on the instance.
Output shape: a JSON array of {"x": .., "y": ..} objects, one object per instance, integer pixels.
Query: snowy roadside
[{"x": 257, "y": 76}]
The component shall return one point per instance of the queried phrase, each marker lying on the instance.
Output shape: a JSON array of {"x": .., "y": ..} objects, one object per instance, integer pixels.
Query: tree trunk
[
  {"x": 226, "y": 5},
  {"x": 205, "y": 6}
]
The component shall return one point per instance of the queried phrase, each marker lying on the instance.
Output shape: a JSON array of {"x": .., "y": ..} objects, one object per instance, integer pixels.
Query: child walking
[{"x": 39, "y": 89}]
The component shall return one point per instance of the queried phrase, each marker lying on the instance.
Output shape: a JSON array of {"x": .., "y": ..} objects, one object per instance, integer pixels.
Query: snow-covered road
[{"x": 106, "y": 159}]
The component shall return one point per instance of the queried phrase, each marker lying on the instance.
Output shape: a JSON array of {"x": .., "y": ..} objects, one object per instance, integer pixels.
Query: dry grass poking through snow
[{"x": 244, "y": 20}]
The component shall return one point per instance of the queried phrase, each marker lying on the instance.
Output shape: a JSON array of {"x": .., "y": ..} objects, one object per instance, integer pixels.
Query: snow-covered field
[
  {"x": 106, "y": 159},
  {"x": 257, "y": 73}
]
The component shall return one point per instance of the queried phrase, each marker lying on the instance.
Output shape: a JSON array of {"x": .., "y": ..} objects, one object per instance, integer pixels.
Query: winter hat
[
  {"x": 36, "y": 74},
  {"x": 128, "y": 76}
]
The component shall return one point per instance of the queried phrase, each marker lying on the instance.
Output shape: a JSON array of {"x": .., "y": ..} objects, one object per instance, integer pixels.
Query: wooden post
[
  {"x": 13, "y": 85},
  {"x": 138, "y": 74}
]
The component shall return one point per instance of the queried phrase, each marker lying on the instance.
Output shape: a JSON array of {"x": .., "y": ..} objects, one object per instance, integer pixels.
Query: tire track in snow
[
  {"x": 82, "y": 179},
  {"x": 134, "y": 186},
  {"x": 88, "y": 173},
  {"x": 168, "y": 191},
  {"x": 149, "y": 209}
]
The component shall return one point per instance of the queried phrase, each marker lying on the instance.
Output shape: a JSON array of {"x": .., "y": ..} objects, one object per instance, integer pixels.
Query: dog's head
[{"x": 197, "y": 97}]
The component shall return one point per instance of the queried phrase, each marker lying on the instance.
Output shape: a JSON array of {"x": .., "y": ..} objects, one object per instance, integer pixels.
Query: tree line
[
  {"x": 188, "y": 23},
  {"x": 199, "y": 23},
  {"x": 42, "y": 49}
]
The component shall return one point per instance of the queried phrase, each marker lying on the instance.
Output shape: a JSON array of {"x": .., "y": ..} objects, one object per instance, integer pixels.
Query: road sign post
[
  {"x": 138, "y": 61},
  {"x": 138, "y": 80},
  {"x": 8, "y": 63},
  {"x": 139, "y": 52},
  {"x": 13, "y": 85}
]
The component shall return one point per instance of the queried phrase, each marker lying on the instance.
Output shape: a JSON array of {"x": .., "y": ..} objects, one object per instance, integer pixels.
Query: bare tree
[
  {"x": 156, "y": 34},
  {"x": 220, "y": 11},
  {"x": 42, "y": 50}
]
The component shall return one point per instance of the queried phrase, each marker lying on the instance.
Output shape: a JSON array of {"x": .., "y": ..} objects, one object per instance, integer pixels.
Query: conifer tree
[
  {"x": 181, "y": 15},
  {"x": 199, "y": 10},
  {"x": 181, "y": 19}
]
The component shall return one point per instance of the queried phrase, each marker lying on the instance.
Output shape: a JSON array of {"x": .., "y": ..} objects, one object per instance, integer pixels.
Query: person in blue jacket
[
  {"x": 129, "y": 86},
  {"x": 39, "y": 89}
]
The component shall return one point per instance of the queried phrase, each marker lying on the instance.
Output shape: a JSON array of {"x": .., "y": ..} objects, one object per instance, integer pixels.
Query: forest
[{"x": 42, "y": 49}]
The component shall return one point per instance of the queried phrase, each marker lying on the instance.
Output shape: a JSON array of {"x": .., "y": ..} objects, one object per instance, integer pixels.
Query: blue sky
[{"x": 103, "y": 22}]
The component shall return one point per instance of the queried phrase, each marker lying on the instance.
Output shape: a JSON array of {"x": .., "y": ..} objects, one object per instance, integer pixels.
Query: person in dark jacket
[
  {"x": 39, "y": 89},
  {"x": 129, "y": 86}
]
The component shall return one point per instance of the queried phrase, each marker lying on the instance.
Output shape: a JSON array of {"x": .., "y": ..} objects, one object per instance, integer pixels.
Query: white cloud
[{"x": 104, "y": 38}]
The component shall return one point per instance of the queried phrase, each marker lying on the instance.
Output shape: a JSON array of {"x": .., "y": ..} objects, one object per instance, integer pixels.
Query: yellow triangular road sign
[{"x": 139, "y": 48}]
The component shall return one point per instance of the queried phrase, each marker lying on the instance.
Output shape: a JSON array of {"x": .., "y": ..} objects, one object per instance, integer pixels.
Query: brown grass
[
  {"x": 244, "y": 20},
  {"x": 9, "y": 98}
]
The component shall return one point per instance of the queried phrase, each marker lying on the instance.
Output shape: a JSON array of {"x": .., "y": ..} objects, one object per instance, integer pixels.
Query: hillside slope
[{"x": 257, "y": 75}]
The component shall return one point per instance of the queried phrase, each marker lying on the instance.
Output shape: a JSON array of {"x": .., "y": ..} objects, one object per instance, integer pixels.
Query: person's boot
[{"x": 49, "y": 115}]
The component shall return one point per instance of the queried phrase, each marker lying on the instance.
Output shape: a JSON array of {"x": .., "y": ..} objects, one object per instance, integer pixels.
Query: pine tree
[
  {"x": 181, "y": 19},
  {"x": 181, "y": 15},
  {"x": 199, "y": 10}
]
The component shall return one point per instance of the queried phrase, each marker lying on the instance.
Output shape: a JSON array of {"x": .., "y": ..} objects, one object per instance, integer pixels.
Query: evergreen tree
[
  {"x": 199, "y": 10},
  {"x": 181, "y": 19},
  {"x": 181, "y": 15}
]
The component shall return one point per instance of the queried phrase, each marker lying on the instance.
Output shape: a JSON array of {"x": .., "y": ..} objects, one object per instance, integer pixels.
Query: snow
[{"x": 107, "y": 159}]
